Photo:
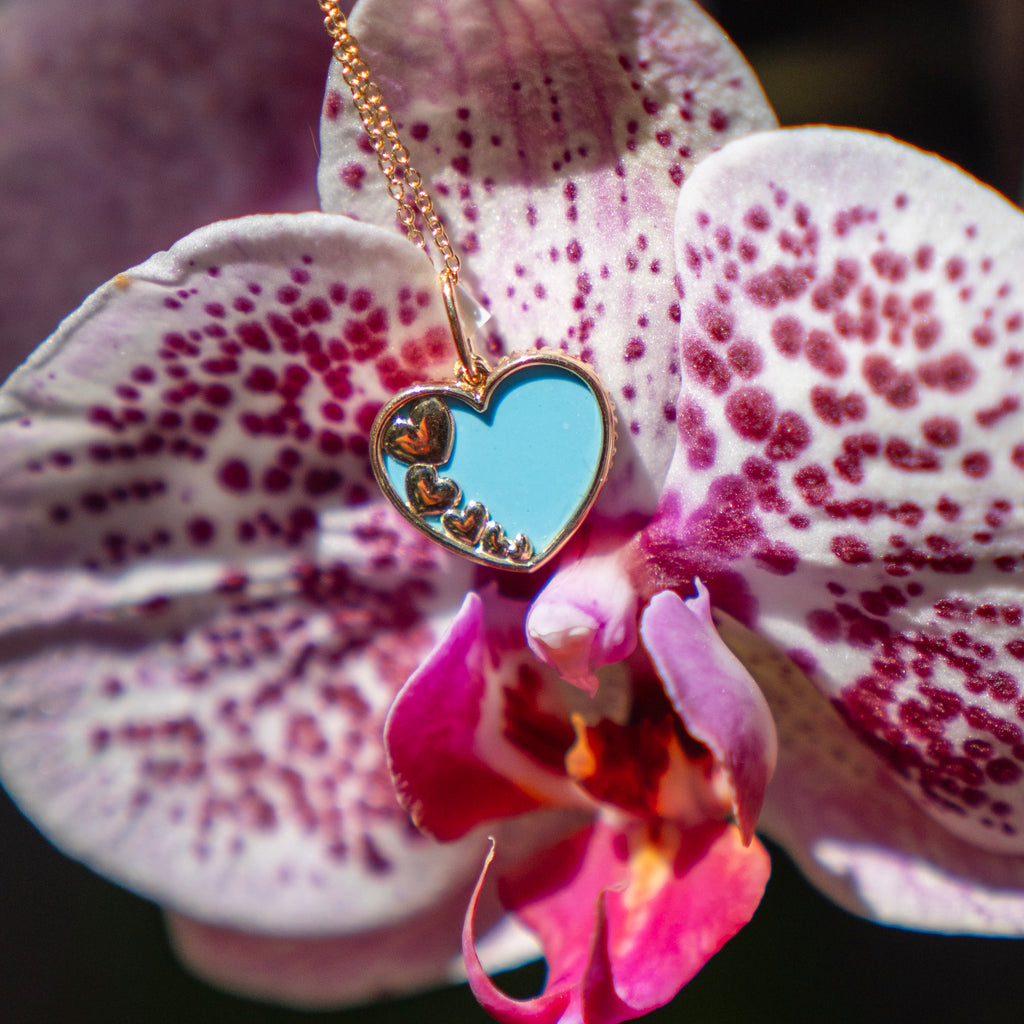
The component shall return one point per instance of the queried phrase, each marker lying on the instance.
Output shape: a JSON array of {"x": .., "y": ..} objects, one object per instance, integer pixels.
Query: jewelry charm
[
  {"x": 499, "y": 465},
  {"x": 502, "y": 471}
]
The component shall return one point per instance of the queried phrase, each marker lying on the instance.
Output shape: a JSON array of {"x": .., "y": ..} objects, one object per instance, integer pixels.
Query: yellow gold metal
[
  {"x": 404, "y": 182},
  {"x": 474, "y": 368},
  {"x": 466, "y": 525},
  {"x": 429, "y": 494},
  {"x": 426, "y": 435}
]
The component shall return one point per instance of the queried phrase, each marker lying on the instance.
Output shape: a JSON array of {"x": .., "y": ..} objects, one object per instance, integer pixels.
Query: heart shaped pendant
[{"x": 524, "y": 450}]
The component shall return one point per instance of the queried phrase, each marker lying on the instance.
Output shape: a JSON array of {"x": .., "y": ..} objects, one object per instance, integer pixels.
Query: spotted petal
[
  {"x": 168, "y": 119},
  {"x": 554, "y": 137},
  {"x": 204, "y": 619},
  {"x": 855, "y": 833},
  {"x": 849, "y": 463}
]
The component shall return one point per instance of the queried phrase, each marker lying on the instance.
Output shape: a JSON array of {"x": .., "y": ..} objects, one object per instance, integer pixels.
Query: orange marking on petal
[{"x": 580, "y": 761}]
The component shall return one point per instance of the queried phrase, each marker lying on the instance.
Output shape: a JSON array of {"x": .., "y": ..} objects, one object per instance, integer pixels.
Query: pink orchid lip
[{"x": 609, "y": 904}]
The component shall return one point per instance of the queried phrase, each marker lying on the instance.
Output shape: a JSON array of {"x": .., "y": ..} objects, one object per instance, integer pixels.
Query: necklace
[{"x": 525, "y": 446}]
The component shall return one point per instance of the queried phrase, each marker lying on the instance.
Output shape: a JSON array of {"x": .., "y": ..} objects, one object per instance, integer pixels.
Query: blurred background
[{"x": 947, "y": 75}]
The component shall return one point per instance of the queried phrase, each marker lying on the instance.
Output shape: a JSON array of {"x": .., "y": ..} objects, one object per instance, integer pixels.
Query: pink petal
[
  {"x": 586, "y": 615},
  {"x": 714, "y": 695},
  {"x": 626, "y": 917},
  {"x": 553, "y": 139},
  {"x": 468, "y": 740},
  {"x": 856, "y": 834},
  {"x": 419, "y": 952},
  {"x": 197, "y": 673},
  {"x": 848, "y": 470},
  {"x": 216, "y": 125}
]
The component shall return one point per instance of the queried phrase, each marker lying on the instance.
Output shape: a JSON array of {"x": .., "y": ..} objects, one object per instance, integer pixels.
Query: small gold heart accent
[
  {"x": 493, "y": 541},
  {"x": 466, "y": 525},
  {"x": 520, "y": 549},
  {"x": 425, "y": 435},
  {"x": 428, "y": 493}
]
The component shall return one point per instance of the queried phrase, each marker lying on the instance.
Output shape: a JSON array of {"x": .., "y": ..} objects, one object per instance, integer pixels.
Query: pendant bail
[{"x": 474, "y": 367}]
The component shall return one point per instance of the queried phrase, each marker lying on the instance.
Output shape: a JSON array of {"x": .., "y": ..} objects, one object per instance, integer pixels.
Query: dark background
[{"x": 947, "y": 75}]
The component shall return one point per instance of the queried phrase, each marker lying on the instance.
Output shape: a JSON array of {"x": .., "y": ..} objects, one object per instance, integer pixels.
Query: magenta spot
[
  {"x": 941, "y": 431},
  {"x": 716, "y": 321},
  {"x": 321, "y": 481},
  {"x": 777, "y": 558},
  {"x": 757, "y": 218},
  {"x": 234, "y": 475},
  {"x": 824, "y": 625},
  {"x": 332, "y": 105},
  {"x": 955, "y": 268},
  {"x": 718, "y": 120},
  {"x": 745, "y": 358},
  {"x": 789, "y": 438},
  {"x": 634, "y": 350},
  {"x": 276, "y": 480},
  {"x": 751, "y": 413},
  {"x": 976, "y": 464},
  {"x": 1003, "y": 771},
  {"x": 851, "y": 550},
  {"x": 217, "y": 395},
  {"x": 814, "y": 485},
  {"x": 778, "y": 284},
  {"x": 824, "y": 355},
  {"x": 884, "y": 378},
  {"x": 953, "y": 373},
  {"x": 707, "y": 367},
  {"x": 253, "y": 336},
  {"x": 788, "y": 335},
  {"x": 201, "y": 531}
]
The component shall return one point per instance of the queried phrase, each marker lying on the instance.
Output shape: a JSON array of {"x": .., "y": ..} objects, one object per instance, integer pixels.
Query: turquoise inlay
[{"x": 530, "y": 458}]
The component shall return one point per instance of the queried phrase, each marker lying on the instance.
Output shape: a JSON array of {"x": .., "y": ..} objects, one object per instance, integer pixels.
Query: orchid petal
[
  {"x": 847, "y": 474},
  {"x": 626, "y": 917},
  {"x": 458, "y": 752},
  {"x": 855, "y": 833},
  {"x": 419, "y": 952},
  {"x": 210, "y": 402},
  {"x": 204, "y": 619},
  {"x": 586, "y": 615},
  {"x": 553, "y": 141},
  {"x": 169, "y": 120},
  {"x": 719, "y": 703}
]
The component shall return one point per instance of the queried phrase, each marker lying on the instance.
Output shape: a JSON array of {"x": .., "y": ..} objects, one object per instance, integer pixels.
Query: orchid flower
[
  {"x": 208, "y": 610},
  {"x": 208, "y": 607}
]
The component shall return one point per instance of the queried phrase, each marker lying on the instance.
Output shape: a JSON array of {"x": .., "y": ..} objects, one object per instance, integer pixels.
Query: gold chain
[{"x": 404, "y": 182}]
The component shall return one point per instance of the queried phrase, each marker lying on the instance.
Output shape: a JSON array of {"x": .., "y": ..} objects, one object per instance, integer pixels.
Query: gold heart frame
[{"x": 488, "y": 544}]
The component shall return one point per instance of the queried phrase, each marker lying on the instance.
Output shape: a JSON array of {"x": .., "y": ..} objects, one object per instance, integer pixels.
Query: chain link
[{"x": 405, "y": 185}]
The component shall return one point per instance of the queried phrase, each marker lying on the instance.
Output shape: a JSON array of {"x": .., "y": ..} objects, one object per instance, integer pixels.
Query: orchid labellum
[{"x": 236, "y": 681}]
